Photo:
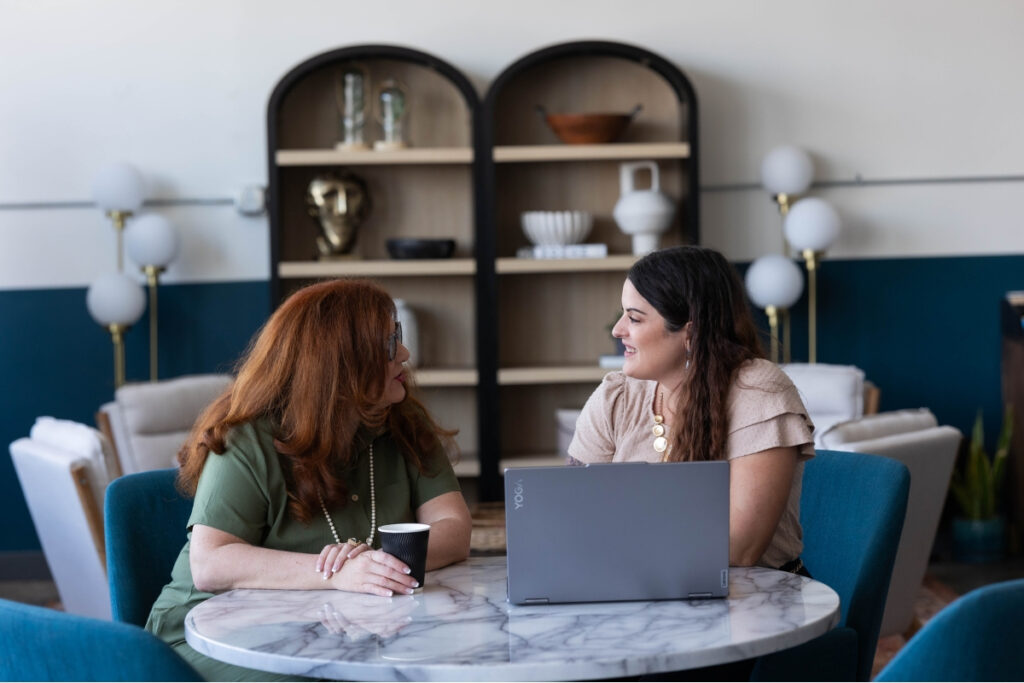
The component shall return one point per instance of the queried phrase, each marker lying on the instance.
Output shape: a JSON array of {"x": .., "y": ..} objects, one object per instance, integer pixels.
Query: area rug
[{"x": 933, "y": 596}]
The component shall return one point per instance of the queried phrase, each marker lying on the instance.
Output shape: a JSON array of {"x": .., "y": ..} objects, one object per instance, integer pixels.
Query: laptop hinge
[
  {"x": 541, "y": 601},
  {"x": 696, "y": 596}
]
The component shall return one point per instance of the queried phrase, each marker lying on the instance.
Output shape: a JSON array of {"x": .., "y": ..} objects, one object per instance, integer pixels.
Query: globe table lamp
[
  {"x": 119, "y": 190},
  {"x": 812, "y": 226},
  {"x": 786, "y": 171},
  {"x": 774, "y": 283},
  {"x": 152, "y": 244},
  {"x": 115, "y": 301}
]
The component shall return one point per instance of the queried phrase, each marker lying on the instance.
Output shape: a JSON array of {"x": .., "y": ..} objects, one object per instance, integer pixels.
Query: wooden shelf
[
  {"x": 379, "y": 268},
  {"x": 411, "y": 155},
  {"x": 447, "y": 377},
  {"x": 467, "y": 466},
  {"x": 646, "y": 150},
  {"x": 513, "y": 265},
  {"x": 546, "y": 460},
  {"x": 566, "y": 374}
]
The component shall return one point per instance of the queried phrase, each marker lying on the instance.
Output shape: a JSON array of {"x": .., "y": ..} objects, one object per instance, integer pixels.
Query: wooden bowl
[{"x": 588, "y": 129}]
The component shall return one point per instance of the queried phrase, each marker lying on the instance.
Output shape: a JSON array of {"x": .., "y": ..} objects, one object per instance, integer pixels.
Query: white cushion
[
  {"x": 44, "y": 472},
  {"x": 83, "y": 442},
  {"x": 878, "y": 426},
  {"x": 151, "y": 420}
]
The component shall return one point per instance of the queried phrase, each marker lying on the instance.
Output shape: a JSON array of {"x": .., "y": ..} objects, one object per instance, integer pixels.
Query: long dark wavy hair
[
  {"x": 317, "y": 372},
  {"x": 697, "y": 285}
]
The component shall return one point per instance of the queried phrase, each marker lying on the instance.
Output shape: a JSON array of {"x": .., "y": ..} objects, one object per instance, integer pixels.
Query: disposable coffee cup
[{"x": 407, "y": 542}]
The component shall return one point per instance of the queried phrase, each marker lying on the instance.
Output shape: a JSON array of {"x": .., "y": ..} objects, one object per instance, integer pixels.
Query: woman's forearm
[
  {"x": 449, "y": 542},
  {"x": 240, "y": 565}
]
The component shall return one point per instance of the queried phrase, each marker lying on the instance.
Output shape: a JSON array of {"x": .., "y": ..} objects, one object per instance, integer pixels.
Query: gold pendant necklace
[
  {"x": 660, "y": 429},
  {"x": 373, "y": 509}
]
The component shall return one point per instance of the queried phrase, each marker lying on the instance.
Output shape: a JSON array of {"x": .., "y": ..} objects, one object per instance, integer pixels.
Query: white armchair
[
  {"x": 148, "y": 422},
  {"x": 929, "y": 451},
  {"x": 64, "y": 468}
]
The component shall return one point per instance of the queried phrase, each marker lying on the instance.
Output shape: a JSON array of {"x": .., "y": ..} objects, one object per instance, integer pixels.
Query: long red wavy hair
[{"x": 317, "y": 372}]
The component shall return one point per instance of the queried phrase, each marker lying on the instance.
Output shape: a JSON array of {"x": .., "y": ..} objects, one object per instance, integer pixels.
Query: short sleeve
[
  {"x": 765, "y": 412},
  {"x": 438, "y": 479},
  {"x": 594, "y": 438},
  {"x": 232, "y": 494}
]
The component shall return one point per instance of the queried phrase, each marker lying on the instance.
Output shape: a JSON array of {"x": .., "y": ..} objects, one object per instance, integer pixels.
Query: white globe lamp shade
[
  {"x": 115, "y": 299},
  {"x": 152, "y": 241},
  {"x": 119, "y": 187},
  {"x": 774, "y": 280},
  {"x": 812, "y": 224},
  {"x": 787, "y": 170}
]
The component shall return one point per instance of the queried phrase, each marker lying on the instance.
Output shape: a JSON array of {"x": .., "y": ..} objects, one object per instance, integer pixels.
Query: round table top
[{"x": 460, "y": 627}]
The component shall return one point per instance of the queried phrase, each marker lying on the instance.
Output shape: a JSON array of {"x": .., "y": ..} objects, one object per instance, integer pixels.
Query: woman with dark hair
[
  {"x": 316, "y": 441},
  {"x": 696, "y": 386}
]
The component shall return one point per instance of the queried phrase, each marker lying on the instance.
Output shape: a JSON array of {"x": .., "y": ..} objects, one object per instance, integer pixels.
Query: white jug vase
[
  {"x": 410, "y": 331},
  {"x": 644, "y": 214}
]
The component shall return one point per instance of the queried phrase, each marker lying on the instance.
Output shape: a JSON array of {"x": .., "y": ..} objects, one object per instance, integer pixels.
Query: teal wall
[
  {"x": 54, "y": 360},
  {"x": 926, "y": 331}
]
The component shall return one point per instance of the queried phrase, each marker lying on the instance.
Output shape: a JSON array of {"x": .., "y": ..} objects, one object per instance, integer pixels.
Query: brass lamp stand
[{"x": 152, "y": 280}]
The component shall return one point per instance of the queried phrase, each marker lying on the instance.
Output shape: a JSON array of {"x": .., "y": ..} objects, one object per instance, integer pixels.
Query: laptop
[{"x": 617, "y": 531}]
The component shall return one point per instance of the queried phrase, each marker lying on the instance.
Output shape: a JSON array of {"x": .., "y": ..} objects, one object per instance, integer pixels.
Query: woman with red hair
[{"x": 315, "y": 444}]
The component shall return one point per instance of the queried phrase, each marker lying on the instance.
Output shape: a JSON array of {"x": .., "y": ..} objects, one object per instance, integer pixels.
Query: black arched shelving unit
[
  {"x": 426, "y": 190},
  {"x": 542, "y": 324}
]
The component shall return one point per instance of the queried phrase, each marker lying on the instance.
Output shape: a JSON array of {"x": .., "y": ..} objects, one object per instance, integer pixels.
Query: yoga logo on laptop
[{"x": 517, "y": 497}]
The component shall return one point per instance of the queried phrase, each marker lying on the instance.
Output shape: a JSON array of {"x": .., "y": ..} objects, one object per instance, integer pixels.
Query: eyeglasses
[{"x": 394, "y": 340}]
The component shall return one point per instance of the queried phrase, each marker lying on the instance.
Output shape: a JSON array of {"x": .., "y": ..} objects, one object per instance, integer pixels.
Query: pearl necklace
[
  {"x": 659, "y": 430},
  {"x": 373, "y": 509}
]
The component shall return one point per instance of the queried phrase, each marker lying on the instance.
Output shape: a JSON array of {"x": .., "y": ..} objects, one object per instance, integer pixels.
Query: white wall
[{"x": 879, "y": 90}]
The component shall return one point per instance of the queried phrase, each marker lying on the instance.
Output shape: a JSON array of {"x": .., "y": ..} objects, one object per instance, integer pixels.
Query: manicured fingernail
[
  {"x": 415, "y": 584},
  {"x": 409, "y": 591},
  {"x": 388, "y": 593},
  {"x": 407, "y": 570}
]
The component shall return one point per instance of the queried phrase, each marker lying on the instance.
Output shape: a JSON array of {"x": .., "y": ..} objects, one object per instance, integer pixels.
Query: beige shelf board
[
  {"x": 411, "y": 155},
  {"x": 531, "y": 461},
  {"x": 380, "y": 268},
  {"x": 512, "y": 265},
  {"x": 447, "y": 377},
  {"x": 467, "y": 466},
  {"x": 567, "y": 374},
  {"x": 639, "y": 150}
]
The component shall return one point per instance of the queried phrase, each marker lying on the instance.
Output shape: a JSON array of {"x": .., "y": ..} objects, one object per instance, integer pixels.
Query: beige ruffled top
[{"x": 765, "y": 412}]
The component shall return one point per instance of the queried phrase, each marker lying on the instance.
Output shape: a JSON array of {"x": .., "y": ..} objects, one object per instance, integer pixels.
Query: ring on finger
[{"x": 353, "y": 542}]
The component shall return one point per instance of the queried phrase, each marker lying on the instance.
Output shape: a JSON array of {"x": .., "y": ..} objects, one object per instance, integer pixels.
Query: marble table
[{"x": 459, "y": 627}]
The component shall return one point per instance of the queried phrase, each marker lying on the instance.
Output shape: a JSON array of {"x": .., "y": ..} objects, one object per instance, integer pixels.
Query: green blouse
[{"x": 242, "y": 492}]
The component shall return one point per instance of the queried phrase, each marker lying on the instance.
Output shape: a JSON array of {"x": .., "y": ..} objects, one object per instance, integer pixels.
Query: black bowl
[{"x": 420, "y": 248}]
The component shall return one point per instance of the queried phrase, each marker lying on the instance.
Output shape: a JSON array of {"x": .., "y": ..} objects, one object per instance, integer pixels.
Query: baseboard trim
[{"x": 28, "y": 565}]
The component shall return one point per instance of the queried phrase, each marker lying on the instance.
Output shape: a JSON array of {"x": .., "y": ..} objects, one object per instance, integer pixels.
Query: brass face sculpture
[{"x": 340, "y": 203}]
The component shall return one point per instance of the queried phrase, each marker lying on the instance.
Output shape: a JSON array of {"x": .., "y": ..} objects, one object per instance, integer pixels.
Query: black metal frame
[{"x": 490, "y": 481}]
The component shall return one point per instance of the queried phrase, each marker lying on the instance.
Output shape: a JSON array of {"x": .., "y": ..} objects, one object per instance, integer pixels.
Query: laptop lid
[{"x": 617, "y": 531}]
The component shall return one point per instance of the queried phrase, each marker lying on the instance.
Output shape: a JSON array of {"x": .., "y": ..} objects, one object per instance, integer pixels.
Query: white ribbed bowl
[{"x": 545, "y": 228}]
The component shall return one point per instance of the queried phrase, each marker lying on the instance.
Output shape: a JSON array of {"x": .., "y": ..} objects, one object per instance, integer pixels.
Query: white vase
[
  {"x": 643, "y": 214},
  {"x": 410, "y": 331}
]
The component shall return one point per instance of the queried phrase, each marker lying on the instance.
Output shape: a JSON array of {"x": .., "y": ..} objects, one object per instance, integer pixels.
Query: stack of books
[{"x": 563, "y": 251}]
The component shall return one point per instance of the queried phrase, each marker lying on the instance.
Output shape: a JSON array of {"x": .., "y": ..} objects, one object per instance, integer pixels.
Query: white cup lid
[{"x": 404, "y": 528}]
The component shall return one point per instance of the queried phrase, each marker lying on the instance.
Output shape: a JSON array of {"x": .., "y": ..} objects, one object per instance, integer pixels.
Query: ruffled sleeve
[{"x": 765, "y": 412}]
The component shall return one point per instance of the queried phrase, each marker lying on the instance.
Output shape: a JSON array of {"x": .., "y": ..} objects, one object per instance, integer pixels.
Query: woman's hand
[
  {"x": 376, "y": 572},
  {"x": 359, "y": 616},
  {"x": 333, "y": 557}
]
